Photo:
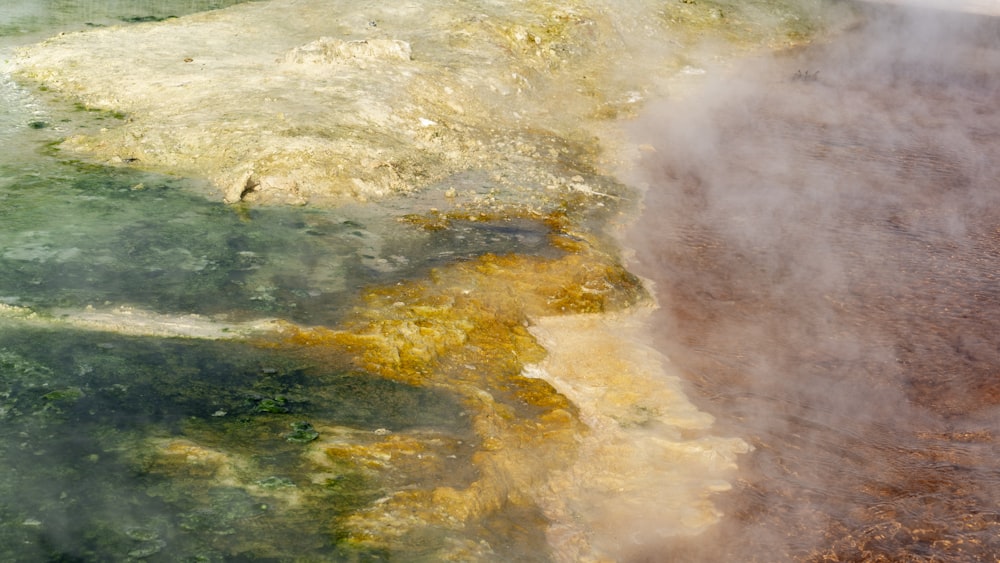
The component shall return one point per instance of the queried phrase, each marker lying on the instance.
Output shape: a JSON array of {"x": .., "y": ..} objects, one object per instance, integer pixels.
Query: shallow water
[
  {"x": 142, "y": 448},
  {"x": 75, "y": 236},
  {"x": 80, "y": 480},
  {"x": 829, "y": 276}
]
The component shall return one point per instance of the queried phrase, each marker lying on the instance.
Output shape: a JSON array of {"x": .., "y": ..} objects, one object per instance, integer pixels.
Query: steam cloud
[{"x": 822, "y": 230}]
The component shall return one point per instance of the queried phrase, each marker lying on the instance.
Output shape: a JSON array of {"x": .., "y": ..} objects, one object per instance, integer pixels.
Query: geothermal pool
[
  {"x": 471, "y": 371},
  {"x": 384, "y": 378}
]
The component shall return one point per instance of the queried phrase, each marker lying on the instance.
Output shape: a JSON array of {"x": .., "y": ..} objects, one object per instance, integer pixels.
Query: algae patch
[{"x": 157, "y": 446}]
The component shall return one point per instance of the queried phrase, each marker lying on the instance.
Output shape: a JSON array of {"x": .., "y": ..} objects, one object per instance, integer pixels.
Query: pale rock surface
[
  {"x": 650, "y": 462},
  {"x": 329, "y": 100},
  {"x": 324, "y": 101},
  {"x": 139, "y": 322}
]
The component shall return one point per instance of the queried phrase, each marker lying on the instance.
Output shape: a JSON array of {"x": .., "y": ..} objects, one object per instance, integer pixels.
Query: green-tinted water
[
  {"x": 75, "y": 235},
  {"x": 124, "y": 448},
  {"x": 83, "y": 420},
  {"x": 19, "y": 18}
]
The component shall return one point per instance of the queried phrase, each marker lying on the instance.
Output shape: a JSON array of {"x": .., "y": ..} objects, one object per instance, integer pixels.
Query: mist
[{"x": 821, "y": 230}]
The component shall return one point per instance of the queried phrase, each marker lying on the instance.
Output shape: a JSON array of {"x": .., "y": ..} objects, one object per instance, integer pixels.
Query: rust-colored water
[{"x": 824, "y": 234}]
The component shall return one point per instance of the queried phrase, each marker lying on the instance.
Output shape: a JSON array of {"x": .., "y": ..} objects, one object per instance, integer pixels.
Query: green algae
[
  {"x": 302, "y": 433},
  {"x": 132, "y": 415},
  {"x": 99, "y": 113}
]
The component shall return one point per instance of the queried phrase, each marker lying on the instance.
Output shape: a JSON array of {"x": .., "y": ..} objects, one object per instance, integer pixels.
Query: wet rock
[
  {"x": 274, "y": 482},
  {"x": 146, "y": 549},
  {"x": 302, "y": 433},
  {"x": 142, "y": 534},
  {"x": 275, "y": 405}
]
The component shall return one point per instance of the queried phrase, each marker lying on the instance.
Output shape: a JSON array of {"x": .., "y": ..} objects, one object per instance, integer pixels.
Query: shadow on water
[
  {"x": 823, "y": 232},
  {"x": 83, "y": 478}
]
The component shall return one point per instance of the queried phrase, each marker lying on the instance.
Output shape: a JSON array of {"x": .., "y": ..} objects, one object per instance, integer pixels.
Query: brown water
[{"x": 824, "y": 233}]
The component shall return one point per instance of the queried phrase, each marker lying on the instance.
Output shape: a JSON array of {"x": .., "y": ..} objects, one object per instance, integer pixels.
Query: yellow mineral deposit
[
  {"x": 465, "y": 331},
  {"x": 579, "y": 423},
  {"x": 648, "y": 463},
  {"x": 589, "y": 427},
  {"x": 182, "y": 458}
]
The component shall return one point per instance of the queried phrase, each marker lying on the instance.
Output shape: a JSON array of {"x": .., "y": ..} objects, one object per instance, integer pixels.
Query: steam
[{"x": 820, "y": 226}]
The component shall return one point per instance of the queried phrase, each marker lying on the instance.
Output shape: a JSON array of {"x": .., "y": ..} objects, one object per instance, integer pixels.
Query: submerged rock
[
  {"x": 302, "y": 433},
  {"x": 275, "y": 405}
]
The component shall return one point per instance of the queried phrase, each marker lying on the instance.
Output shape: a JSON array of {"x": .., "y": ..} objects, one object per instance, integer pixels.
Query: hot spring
[
  {"x": 316, "y": 280},
  {"x": 822, "y": 230}
]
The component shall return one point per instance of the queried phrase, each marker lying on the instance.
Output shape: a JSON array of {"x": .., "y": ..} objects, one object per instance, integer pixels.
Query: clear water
[
  {"x": 79, "y": 410},
  {"x": 76, "y": 235}
]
